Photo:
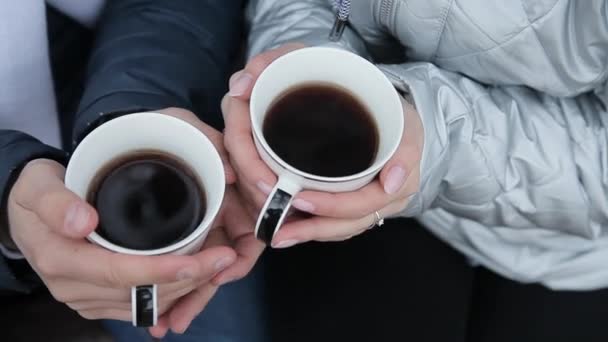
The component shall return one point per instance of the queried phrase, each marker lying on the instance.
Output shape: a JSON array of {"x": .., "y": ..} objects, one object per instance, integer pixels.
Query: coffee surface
[
  {"x": 147, "y": 200},
  {"x": 322, "y": 130}
]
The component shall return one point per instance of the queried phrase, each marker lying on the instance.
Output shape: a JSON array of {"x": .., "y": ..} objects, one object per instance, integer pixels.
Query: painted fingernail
[
  {"x": 285, "y": 244},
  {"x": 264, "y": 187},
  {"x": 394, "y": 180},
  {"x": 185, "y": 274},
  {"x": 223, "y": 263},
  {"x": 303, "y": 205},
  {"x": 76, "y": 219},
  {"x": 241, "y": 84}
]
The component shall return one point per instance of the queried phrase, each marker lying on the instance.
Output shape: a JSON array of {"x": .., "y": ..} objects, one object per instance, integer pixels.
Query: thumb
[
  {"x": 241, "y": 83},
  {"x": 217, "y": 138},
  {"x": 393, "y": 176},
  {"x": 40, "y": 189},
  {"x": 407, "y": 157}
]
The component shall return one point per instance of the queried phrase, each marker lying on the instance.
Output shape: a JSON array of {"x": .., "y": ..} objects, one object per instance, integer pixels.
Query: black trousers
[{"x": 400, "y": 283}]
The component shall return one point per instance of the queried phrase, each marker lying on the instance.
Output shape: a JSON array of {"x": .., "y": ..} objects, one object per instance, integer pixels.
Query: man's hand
[
  {"x": 236, "y": 230},
  {"x": 48, "y": 223},
  {"x": 216, "y": 137},
  {"x": 233, "y": 228}
]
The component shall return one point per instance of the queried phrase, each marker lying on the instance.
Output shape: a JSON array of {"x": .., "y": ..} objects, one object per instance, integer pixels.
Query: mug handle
[
  {"x": 276, "y": 208},
  {"x": 144, "y": 305}
]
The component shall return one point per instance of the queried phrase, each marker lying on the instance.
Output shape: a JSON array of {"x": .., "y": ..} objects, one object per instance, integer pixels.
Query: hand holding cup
[{"x": 338, "y": 214}]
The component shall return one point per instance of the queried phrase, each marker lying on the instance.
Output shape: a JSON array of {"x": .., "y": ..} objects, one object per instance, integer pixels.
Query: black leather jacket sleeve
[{"x": 152, "y": 54}]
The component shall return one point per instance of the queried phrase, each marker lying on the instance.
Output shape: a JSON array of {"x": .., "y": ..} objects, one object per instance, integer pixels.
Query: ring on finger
[{"x": 378, "y": 220}]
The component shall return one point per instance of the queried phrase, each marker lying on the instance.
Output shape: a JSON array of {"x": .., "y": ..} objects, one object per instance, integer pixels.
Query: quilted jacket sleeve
[
  {"x": 500, "y": 155},
  {"x": 277, "y": 22},
  {"x": 509, "y": 156}
]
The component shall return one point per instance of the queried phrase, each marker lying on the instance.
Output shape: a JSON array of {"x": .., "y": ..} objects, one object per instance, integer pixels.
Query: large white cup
[
  {"x": 332, "y": 66},
  {"x": 145, "y": 132}
]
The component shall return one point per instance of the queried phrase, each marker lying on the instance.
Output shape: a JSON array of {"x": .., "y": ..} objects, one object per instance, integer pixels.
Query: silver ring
[{"x": 378, "y": 221}]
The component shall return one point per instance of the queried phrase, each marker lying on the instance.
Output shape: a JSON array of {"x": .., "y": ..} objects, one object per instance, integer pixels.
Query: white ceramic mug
[
  {"x": 150, "y": 132},
  {"x": 332, "y": 66}
]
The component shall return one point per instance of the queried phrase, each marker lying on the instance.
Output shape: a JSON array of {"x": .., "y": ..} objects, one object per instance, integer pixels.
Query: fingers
[
  {"x": 241, "y": 83},
  {"x": 330, "y": 229},
  {"x": 250, "y": 168},
  {"x": 236, "y": 217},
  {"x": 123, "y": 306},
  {"x": 94, "y": 265},
  {"x": 95, "y": 302},
  {"x": 213, "y": 268},
  {"x": 249, "y": 250},
  {"x": 239, "y": 229},
  {"x": 115, "y": 314},
  {"x": 319, "y": 229},
  {"x": 215, "y": 136},
  {"x": 99, "y": 305},
  {"x": 40, "y": 189},
  {"x": 187, "y": 308},
  {"x": 161, "y": 328},
  {"x": 74, "y": 291},
  {"x": 394, "y": 180},
  {"x": 87, "y": 296},
  {"x": 350, "y": 205},
  {"x": 239, "y": 143}
]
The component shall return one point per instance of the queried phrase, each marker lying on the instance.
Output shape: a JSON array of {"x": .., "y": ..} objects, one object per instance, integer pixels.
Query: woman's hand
[
  {"x": 336, "y": 216},
  {"x": 341, "y": 216},
  {"x": 255, "y": 179}
]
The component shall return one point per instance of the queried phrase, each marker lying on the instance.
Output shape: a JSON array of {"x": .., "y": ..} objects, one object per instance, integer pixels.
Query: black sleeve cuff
[{"x": 115, "y": 105}]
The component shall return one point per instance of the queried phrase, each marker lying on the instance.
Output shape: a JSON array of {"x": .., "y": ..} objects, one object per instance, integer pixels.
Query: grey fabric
[
  {"x": 513, "y": 98},
  {"x": 28, "y": 107},
  {"x": 85, "y": 12},
  {"x": 27, "y": 100}
]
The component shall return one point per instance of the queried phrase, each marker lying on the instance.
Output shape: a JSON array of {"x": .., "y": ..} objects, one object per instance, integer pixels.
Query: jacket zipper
[{"x": 386, "y": 7}]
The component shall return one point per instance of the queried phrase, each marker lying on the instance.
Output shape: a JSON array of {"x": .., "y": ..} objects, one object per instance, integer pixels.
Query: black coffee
[
  {"x": 147, "y": 200},
  {"x": 323, "y": 130}
]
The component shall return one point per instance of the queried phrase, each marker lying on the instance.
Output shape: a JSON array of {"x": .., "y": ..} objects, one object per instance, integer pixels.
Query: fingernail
[
  {"x": 185, "y": 274},
  {"x": 226, "y": 280},
  {"x": 394, "y": 180},
  {"x": 234, "y": 77},
  {"x": 182, "y": 330},
  {"x": 285, "y": 244},
  {"x": 241, "y": 84},
  {"x": 221, "y": 264},
  {"x": 77, "y": 219},
  {"x": 303, "y": 205},
  {"x": 264, "y": 187}
]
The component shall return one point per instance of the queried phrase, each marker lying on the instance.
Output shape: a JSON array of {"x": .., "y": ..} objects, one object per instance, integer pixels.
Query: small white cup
[
  {"x": 156, "y": 132},
  {"x": 327, "y": 66}
]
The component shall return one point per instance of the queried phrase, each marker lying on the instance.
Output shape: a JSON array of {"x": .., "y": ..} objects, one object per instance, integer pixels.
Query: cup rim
[
  {"x": 377, "y": 165},
  {"x": 186, "y": 128}
]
